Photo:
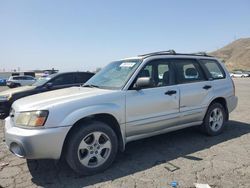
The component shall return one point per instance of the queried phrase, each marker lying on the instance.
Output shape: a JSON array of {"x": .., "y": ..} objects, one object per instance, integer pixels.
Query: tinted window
[
  {"x": 213, "y": 68},
  {"x": 188, "y": 71},
  {"x": 83, "y": 77},
  {"x": 63, "y": 79}
]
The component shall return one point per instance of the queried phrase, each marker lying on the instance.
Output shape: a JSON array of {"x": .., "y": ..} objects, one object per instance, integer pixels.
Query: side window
[
  {"x": 188, "y": 71},
  {"x": 82, "y": 77},
  {"x": 163, "y": 76},
  {"x": 28, "y": 78},
  {"x": 213, "y": 68},
  {"x": 146, "y": 72},
  {"x": 63, "y": 79},
  {"x": 159, "y": 72}
]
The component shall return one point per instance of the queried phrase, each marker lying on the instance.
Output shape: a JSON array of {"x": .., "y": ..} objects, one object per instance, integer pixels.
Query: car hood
[
  {"x": 17, "y": 90},
  {"x": 49, "y": 99}
]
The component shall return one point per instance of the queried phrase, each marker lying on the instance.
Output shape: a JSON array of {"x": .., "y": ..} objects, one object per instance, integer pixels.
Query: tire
[
  {"x": 14, "y": 85},
  {"x": 88, "y": 155},
  {"x": 214, "y": 121}
]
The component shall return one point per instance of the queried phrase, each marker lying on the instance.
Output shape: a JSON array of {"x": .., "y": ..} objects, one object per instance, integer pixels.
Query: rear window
[{"x": 214, "y": 68}]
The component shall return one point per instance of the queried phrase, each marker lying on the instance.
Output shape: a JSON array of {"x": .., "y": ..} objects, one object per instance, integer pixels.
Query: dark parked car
[{"x": 51, "y": 82}]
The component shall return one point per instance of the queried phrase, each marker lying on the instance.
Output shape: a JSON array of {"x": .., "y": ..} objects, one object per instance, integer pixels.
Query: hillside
[{"x": 236, "y": 55}]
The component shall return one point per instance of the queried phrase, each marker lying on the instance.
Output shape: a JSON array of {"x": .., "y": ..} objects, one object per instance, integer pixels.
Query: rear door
[
  {"x": 154, "y": 108},
  {"x": 29, "y": 80},
  {"x": 195, "y": 89},
  {"x": 22, "y": 80},
  {"x": 221, "y": 85}
]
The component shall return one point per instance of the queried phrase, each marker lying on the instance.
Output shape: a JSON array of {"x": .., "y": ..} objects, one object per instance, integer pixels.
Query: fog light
[{"x": 17, "y": 149}]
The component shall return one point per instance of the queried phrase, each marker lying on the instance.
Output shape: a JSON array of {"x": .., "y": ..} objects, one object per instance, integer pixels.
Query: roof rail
[
  {"x": 170, "y": 52},
  {"x": 199, "y": 53}
]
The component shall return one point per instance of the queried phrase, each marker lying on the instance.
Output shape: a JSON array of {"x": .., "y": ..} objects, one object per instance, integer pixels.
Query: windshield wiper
[{"x": 90, "y": 85}]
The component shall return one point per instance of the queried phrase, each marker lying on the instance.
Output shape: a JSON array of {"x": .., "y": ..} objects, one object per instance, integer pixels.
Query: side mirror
[
  {"x": 48, "y": 85},
  {"x": 143, "y": 82}
]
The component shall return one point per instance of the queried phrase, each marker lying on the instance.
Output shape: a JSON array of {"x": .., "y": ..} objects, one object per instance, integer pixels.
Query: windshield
[
  {"x": 115, "y": 75},
  {"x": 42, "y": 80}
]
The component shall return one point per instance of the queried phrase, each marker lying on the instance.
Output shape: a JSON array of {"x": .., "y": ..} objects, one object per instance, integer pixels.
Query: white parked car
[
  {"x": 238, "y": 74},
  {"x": 16, "y": 81}
]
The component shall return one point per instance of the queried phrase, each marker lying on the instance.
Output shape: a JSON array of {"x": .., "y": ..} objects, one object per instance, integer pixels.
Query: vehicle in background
[
  {"x": 2, "y": 82},
  {"x": 247, "y": 72},
  {"x": 17, "y": 81},
  {"x": 239, "y": 74},
  {"x": 49, "y": 72},
  {"x": 43, "y": 84},
  {"x": 129, "y": 99}
]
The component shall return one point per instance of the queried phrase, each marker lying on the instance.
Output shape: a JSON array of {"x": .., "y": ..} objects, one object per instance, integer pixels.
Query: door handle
[
  {"x": 170, "y": 92},
  {"x": 207, "y": 87}
]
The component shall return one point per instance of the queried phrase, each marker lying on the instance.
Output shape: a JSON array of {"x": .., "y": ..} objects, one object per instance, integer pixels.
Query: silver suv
[{"x": 129, "y": 99}]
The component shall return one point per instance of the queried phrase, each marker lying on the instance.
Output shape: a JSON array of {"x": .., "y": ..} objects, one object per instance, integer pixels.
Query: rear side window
[
  {"x": 213, "y": 67},
  {"x": 83, "y": 77},
  {"x": 188, "y": 70}
]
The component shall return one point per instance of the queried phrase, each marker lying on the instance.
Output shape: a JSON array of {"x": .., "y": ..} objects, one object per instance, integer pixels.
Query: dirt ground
[{"x": 185, "y": 156}]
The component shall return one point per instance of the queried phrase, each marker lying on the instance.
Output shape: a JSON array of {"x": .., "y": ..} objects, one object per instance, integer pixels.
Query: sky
[{"x": 81, "y": 35}]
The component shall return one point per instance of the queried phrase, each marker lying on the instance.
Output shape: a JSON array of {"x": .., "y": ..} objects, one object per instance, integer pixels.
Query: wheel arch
[
  {"x": 106, "y": 118},
  {"x": 223, "y": 102}
]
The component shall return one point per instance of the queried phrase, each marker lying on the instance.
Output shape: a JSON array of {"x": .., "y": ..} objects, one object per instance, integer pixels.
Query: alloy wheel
[{"x": 94, "y": 149}]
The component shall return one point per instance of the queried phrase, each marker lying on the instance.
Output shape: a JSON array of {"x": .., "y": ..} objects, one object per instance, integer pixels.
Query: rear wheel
[
  {"x": 91, "y": 148},
  {"x": 15, "y": 85},
  {"x": 214, "y": 121}
]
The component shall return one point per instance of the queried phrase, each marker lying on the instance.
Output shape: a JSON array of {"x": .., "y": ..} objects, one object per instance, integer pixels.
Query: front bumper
[{"x": 45, "y": 143}]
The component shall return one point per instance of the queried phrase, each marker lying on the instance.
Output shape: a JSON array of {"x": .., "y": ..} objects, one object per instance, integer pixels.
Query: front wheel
[
  {"x": 92, "y": 148},
  {"x": 214, "y": 121}
]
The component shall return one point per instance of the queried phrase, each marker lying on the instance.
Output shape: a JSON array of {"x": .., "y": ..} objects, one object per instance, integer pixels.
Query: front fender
[{"x": 108, "y": 108}]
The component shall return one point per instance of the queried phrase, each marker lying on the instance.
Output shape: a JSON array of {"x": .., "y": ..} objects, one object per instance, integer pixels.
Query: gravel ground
[{"x": 185, "y": 156}]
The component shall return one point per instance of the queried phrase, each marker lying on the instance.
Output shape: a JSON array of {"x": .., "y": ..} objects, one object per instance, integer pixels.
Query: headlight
[
  {"x": 33, "y": 118},
  {"x": 5, "y": 97}
]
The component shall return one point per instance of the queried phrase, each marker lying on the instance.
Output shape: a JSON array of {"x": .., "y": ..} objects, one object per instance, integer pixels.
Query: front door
[{"x": 154, "y": 108}]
